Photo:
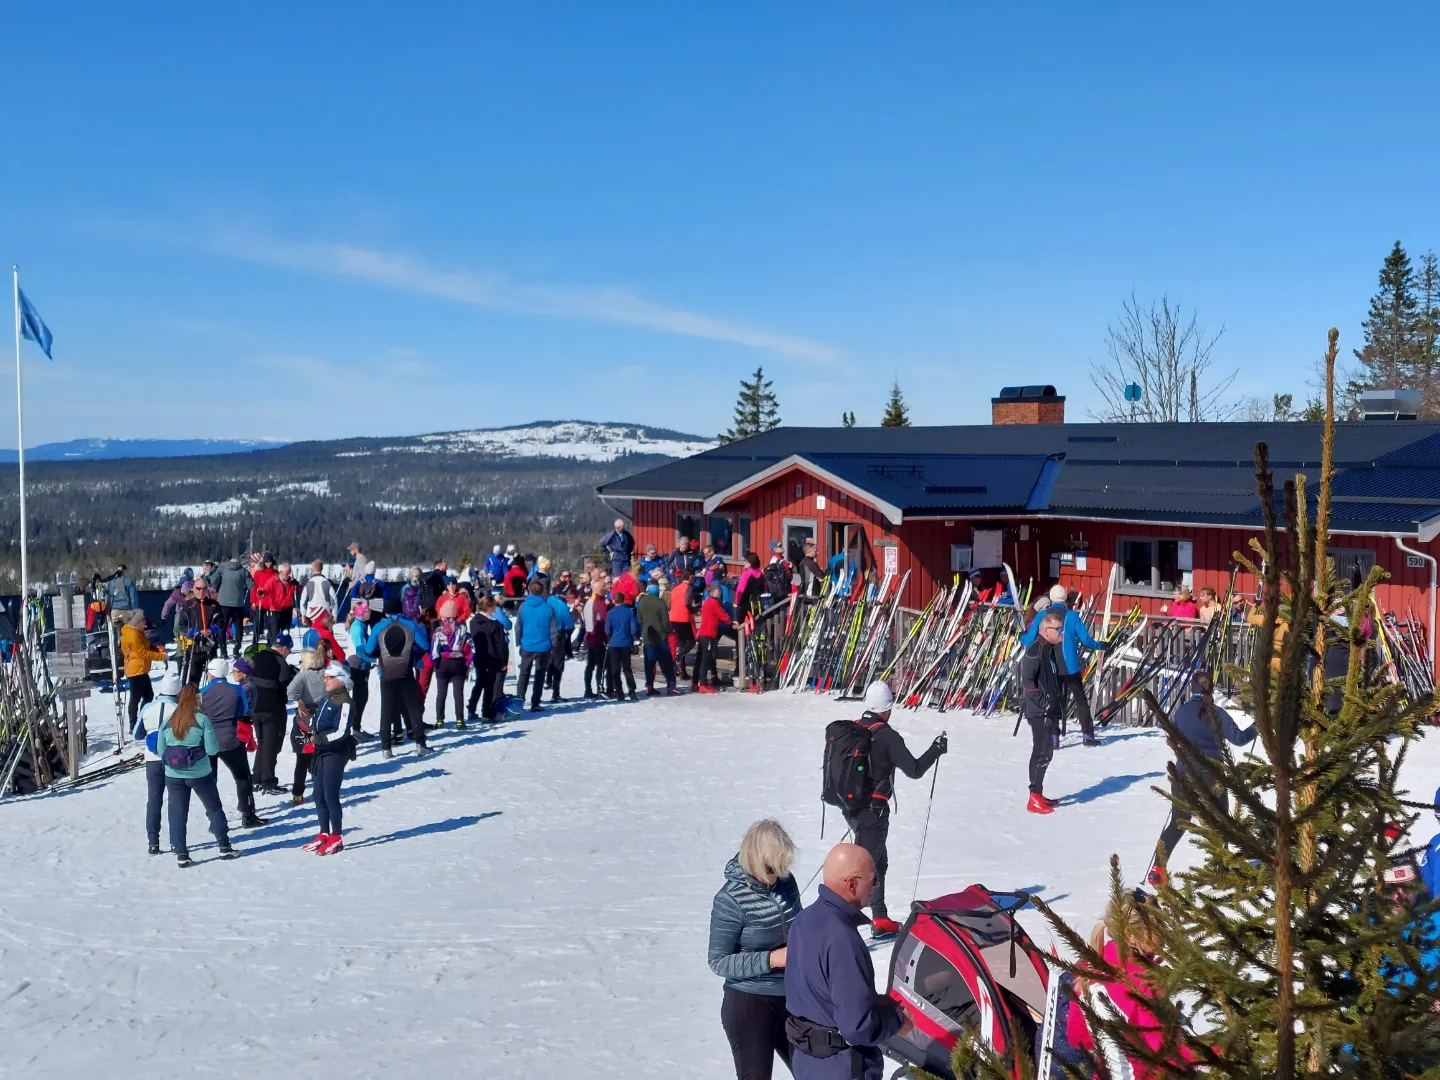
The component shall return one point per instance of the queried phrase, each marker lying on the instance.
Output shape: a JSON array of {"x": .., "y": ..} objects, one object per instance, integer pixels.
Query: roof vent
[{"x": 1390, "y": 404}]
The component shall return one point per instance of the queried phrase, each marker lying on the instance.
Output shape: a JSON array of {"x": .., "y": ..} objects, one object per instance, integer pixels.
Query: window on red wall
[
  {"x": 687, "y": 525},
  {"x": 722, "y": 534}
]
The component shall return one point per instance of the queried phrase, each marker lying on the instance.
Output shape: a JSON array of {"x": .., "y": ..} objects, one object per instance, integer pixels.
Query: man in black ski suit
[
  {"x": 871, "y": 825},
  {"x": 1042, "y": 692}
]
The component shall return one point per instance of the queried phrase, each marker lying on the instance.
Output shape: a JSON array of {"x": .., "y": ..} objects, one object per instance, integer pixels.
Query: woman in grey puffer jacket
[{"x": 749, "y": 923}]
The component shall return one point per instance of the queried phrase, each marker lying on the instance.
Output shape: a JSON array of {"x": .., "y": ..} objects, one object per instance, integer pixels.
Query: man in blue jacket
[
  {"x": 620, "y": 545},
  {"x": 1430, "y": 859},
  {"x": 496, "y": 566},
  {"x": 837, "y": 1020},
  {"x": 535, "y": 632},
  {"x": 1074, "y": 635}
]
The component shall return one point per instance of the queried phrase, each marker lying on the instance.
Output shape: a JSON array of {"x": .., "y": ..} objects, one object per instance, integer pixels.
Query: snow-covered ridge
[
  {"x": 234, "y": 504},
  {"x": 566, "y": 439}
]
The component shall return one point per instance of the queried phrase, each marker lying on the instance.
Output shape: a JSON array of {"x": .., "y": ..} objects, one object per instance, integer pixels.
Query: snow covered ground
[{"x": 531, "y": 901}]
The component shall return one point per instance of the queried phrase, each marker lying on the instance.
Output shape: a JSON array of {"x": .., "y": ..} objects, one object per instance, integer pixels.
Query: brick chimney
[{"x": 1027, "y": 405}]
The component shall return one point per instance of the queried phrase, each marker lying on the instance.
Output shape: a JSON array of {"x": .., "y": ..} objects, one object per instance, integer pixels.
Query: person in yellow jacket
[{"x": 139, "y": 654}]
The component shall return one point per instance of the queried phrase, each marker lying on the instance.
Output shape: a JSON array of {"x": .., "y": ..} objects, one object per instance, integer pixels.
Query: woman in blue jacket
[
  {"x": 749, "y": 924},
  {"x": 186, "y": 742}
]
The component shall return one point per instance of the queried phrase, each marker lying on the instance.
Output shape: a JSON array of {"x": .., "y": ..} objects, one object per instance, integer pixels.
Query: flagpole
[{"x": 20, "y": 453}]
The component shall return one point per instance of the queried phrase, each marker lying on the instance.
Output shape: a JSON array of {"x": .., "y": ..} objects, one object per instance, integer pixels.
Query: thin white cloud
[{"x": 493, "y": 290}]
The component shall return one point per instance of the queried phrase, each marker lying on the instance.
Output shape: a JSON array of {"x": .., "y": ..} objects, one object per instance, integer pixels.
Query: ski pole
[
  {"x": 925, "y": 835},
  {"x": 821, "y": 867}
]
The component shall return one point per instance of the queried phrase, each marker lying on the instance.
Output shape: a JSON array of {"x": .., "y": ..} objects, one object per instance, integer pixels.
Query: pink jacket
[{"x": 1126, "y": 997}]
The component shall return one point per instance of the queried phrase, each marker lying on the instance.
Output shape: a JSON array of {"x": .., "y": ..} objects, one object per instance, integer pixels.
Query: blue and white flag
[{"x": 33, "y": 327}]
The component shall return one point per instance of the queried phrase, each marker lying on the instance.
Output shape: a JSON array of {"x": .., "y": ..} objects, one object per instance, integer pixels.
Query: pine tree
[
  {"x": 896, "y": 414},
  {"x": 1427, "y": 345},
  {"x": 1390, "y": 358},
  {"x": 756, "y": 409},
  {"x": 847, "y": 419},
  {"x": 1284, "y": 944}
]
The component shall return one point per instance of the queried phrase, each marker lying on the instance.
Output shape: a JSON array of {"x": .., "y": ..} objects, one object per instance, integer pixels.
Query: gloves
[{"x": 941, "y": 745}]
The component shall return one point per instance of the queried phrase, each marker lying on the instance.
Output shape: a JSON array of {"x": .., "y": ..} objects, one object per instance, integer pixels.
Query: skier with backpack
[
  {"x": 396, "y": 647},
  {"x": 452, "y": 652},
  {"x": 779, "y": 574},
  {"x": 861, "y": 757}
]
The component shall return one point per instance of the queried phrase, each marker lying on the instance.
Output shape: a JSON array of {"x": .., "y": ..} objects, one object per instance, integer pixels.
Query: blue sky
[{"x": 617, "y": 211}]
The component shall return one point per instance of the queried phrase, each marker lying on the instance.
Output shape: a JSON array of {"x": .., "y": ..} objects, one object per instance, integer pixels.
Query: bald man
[{"x": 837, "y": 1020}]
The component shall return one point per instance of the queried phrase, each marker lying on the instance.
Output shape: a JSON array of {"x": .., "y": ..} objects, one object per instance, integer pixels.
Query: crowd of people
[{"x": 256, "y": 652}]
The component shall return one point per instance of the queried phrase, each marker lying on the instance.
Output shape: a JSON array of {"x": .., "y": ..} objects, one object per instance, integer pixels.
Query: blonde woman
[
  {"x": 139, "y": 654},
  {"x": 749, "y": 924}
]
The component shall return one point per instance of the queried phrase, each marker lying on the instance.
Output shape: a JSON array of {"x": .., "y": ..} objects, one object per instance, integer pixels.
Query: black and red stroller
[{"x": 963, "y": 967}]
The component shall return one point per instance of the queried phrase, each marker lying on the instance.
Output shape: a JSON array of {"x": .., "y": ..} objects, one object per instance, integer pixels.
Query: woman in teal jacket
[{"x": 185, "y": 743}]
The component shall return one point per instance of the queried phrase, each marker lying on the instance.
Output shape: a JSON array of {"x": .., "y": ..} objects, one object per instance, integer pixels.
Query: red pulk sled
[{"x": 963, "y": 967}]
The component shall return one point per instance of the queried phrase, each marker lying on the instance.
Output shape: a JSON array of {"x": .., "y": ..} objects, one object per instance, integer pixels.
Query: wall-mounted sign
[{"x": 819, "y": 502}]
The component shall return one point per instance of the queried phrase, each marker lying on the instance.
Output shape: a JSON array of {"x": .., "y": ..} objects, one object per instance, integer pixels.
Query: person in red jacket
[
  {"x": 279, "y": 603},
  {"x": 516, "y": 578},
  {"x": 627, "y": 586},
  {"x": 712, "y": 617},
  {"x": 593, "y": 615},
  {"x": 455, "y": 595}
]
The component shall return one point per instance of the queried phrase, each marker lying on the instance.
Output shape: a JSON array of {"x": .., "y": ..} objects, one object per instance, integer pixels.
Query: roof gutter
[
  {"x": 993, "y": 515},
  {"x": 1431, "y": 560}
]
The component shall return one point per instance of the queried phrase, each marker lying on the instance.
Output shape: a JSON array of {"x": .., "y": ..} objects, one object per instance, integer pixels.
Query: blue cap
[
  {"x": 653, "y": 590},
  {"x": 282, "y": 640}
]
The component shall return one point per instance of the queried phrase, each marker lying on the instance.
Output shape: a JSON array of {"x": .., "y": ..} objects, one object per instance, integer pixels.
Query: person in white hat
[
  {"x": 871, "y": 824},
  {"x": 147, "y": 728}
]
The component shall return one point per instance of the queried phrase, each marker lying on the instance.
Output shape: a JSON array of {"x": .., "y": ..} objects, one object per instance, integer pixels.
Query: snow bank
[
  {"x": 569, "y": 439},
  {"x": 531, "y": 901}
]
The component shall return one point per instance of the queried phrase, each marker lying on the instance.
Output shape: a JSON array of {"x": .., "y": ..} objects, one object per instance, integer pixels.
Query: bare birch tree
[{"x": 1168, "y": 356}]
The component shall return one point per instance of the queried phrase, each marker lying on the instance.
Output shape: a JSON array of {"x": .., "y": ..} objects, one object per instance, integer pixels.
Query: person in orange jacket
[
  {"x": 139, "y": 654},
  {"x": 682, "y": 623}
]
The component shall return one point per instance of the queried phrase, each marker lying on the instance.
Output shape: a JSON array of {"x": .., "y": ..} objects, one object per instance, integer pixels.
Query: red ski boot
[
  {"x": 1038, "y": 804},
  {"x": 333, "y": 845},
  {"x": 316, "y": 844}
]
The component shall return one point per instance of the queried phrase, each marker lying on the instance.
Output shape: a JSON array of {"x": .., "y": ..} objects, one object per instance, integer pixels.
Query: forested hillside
[{"x": 406, "y": 500}]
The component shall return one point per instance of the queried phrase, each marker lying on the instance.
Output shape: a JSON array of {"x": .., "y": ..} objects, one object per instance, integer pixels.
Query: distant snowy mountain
[
  {"x": 578, "y": 439},
  {"x": 110, "y": 449}
]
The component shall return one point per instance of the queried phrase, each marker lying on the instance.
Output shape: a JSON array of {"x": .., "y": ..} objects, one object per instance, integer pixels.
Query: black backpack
[
  {"x": 777, "y": 581},
  {"x": 847, "y": 782},
  {"x": 395, "y": 645}
]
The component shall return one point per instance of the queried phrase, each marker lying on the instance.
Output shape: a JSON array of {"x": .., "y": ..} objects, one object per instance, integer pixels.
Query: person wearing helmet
[{"x": 871, "y": 825}]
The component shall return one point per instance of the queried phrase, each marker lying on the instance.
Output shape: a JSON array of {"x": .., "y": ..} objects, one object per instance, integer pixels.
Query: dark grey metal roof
[{"x": 1173, "y": 472}]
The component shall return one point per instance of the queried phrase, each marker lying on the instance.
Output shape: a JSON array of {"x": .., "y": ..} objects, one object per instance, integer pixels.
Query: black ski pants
[
  {"x": 539, "y": 662},
  {"x": 238, "y": 762},
  {"x": 755, "y": 1026},
  {"x": 1075, "y": 691},
  {"x": 684, "y": 634},
  {"x": 705, "y": 660},
  {"x": 232, "y": 622},
  {"x": 872, "y": 828},
  {"x": 556, "y": 671},
  {"x": 140, "y": 693},
  {"x": 1042, "y": 730},
  {"x": 1179, "y": 821},
  {"x": 400, "y": 698},
  {"x": 359, "y": 697},
  {"x": 489, "y": 684},
  {"x": 303, "y": 764},
  {"x": 659, "y": 654},
  {"x": 177, "y": 790},
  {"x": 154, "y": 799},
  {"x": 450, "y": 679},
  {"x": 617, "y": 663},
  {"x": 269, "y": 734},
  {"x": 595, "y": 669}
]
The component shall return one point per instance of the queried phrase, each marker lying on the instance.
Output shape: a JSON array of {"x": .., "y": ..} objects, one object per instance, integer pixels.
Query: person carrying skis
[
  {"x": 886, "y": 751},
  {"x": 838, "y": 1021},
  {"x": 1073, "y": 634},
  {"x": 1203, "y": 725},
  {"x": 1042, "y": 699}
]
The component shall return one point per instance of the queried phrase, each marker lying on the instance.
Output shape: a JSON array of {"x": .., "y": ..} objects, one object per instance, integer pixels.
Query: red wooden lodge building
[{"x": 1168, "y": 503}]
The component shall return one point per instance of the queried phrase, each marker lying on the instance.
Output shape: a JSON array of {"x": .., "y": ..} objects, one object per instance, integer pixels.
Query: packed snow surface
[
  {"x": 530, "y": 901},
  {"x": 568, "y": 439}
]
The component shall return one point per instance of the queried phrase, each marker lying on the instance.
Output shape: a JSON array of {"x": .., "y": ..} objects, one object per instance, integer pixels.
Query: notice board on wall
[{"x": 989, "y": 548}]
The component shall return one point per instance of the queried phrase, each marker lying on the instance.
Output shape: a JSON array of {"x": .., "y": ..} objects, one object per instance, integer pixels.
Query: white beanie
[
  {"x": 1058, "y": 594},
  {"x": 170, "y": 685},
  {"x": 497, "y": 549},
  {"x": 878, "y": 698},
  {"x": 1042, "y": 604},
  {"x": 218, "y": 668}
]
